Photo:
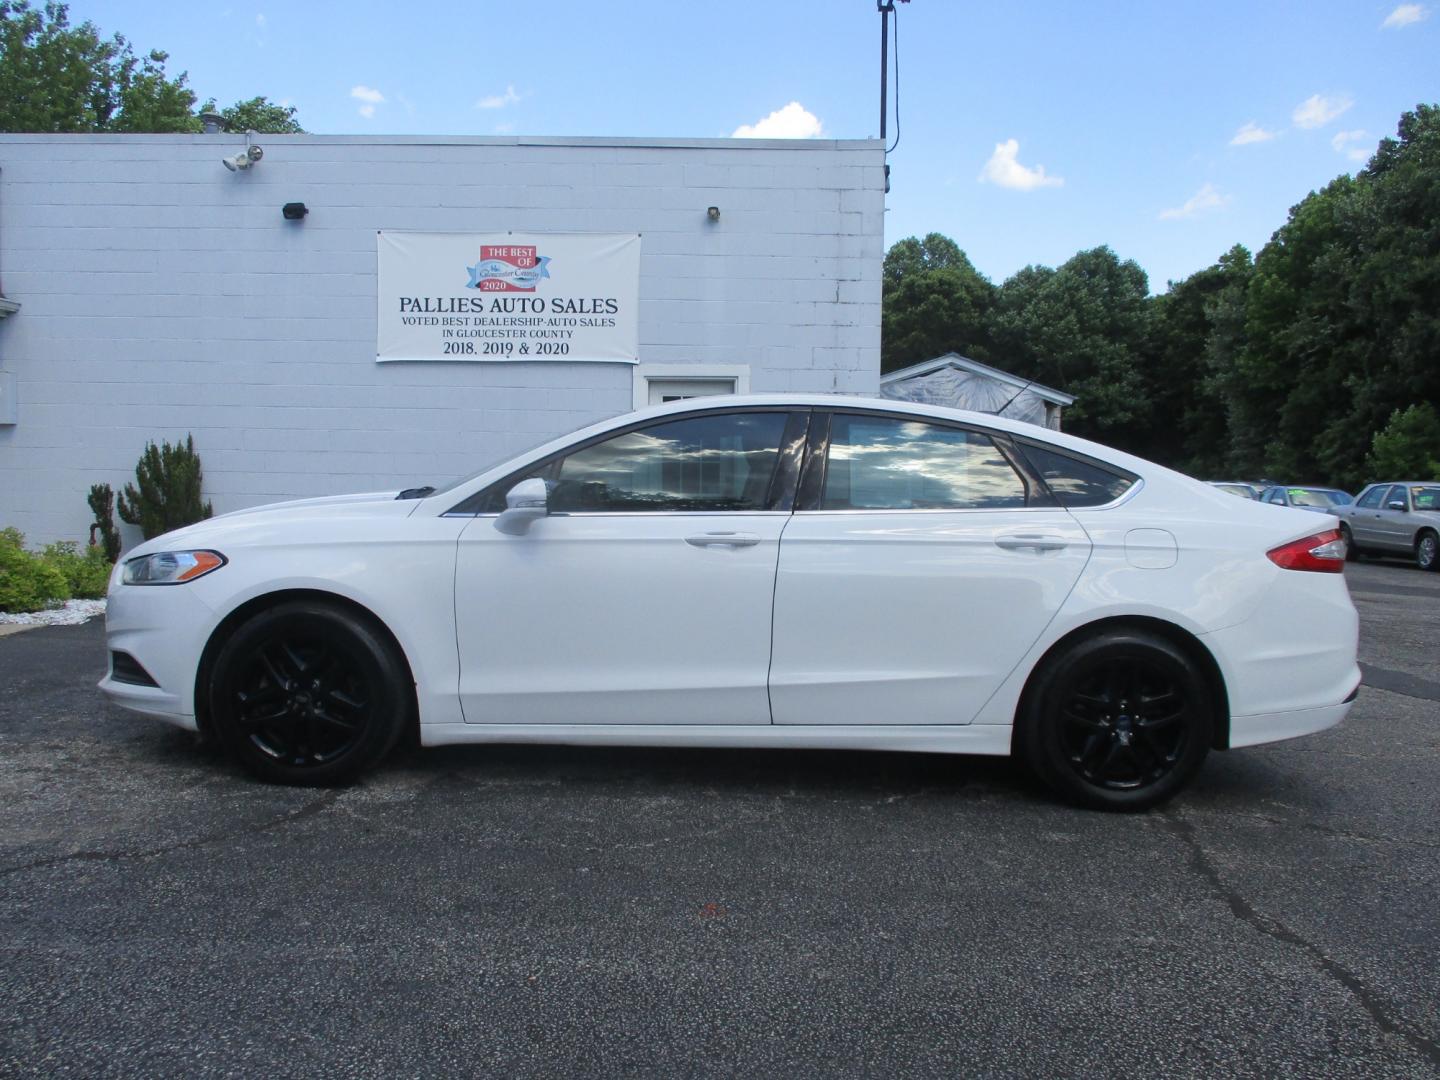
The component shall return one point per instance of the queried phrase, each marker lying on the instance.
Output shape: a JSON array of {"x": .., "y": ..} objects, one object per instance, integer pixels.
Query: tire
[
  {"x": 308, "y": 694},
  {"x": 1352, "y": 553},
  {"x": 1427, "y": 550},
  {"x": 1118, "y": 721}
]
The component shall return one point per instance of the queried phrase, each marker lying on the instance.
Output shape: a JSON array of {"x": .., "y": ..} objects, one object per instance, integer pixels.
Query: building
[
  {"x": 962, "y": 383},
  {"x": 151, "y": 290}
]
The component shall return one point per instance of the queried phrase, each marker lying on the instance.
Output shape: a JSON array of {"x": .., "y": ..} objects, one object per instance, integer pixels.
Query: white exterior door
[
  {"x": 919, "y": 581},
  {"x": 644, "y": 597}
]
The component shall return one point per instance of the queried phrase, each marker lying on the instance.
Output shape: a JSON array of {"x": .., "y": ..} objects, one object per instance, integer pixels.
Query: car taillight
[{"x": 1323, "y": 552}]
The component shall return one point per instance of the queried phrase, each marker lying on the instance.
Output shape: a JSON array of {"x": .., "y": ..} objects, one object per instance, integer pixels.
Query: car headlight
[{"x": 171, "y": 567}]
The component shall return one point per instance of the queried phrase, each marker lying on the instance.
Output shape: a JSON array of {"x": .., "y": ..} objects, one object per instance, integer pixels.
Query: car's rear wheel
[
  {"x": 305, "y": 693},
  {"x": 1352, "y": 553},
  {"x": 1427, "y": 550},
  {"x": 1118, "y": 721}
]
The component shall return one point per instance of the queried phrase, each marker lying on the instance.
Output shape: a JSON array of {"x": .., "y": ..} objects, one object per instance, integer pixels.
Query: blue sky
[{"x": 1135, "y": 112}]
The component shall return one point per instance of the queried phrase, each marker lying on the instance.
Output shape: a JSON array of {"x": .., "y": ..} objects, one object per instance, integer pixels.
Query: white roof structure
[{"x": 962, "y": 383}]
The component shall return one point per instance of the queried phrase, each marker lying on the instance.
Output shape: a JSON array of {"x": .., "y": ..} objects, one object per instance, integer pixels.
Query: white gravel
[{"x": 73, "y": 613}]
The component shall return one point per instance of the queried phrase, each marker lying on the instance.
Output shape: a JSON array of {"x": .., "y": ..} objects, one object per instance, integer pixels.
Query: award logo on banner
[
  {"x": 506, "y": 268},
  {"x": 454, "y": 296}
]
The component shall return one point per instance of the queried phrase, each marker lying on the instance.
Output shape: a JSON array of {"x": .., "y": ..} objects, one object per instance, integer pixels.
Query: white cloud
[
  {"x": 498, "y": 101},
  {"x": 794, "y": 121},
  {"x": 370, "y": 97},
  {"x": 1207, "y": 198},
  {"x": 1317, "y": 111},
  {"x": 1251, "y": 132},
  {"x": 1342, "y": 140},
  {"x": 260, "y": 20},
  {"x": 1004, "y": 170},
  {"x": 1404, "y": 15}
]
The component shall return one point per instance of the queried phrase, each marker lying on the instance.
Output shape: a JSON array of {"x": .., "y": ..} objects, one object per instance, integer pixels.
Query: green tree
[
  {"x": 930, "y": 312},
  {"x": 55, "y": 77},
  {"x": 1082, "y": 328},
  {"x": 259, "y": 114},
  {"x": 1408, "y": 448},
  {"x": 910, "y": 257},
  {"x": 1342, "y": 326},
  {"x": 1195, "y": 329}
]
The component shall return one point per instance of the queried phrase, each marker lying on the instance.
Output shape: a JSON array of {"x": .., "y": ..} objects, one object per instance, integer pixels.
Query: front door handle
[
  {"x": 1032, "y": 541},
  {"x": 723, "y": 539}
]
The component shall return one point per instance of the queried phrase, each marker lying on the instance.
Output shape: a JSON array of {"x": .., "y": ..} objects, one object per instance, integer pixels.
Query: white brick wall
[{"x": 162, "y": 294}]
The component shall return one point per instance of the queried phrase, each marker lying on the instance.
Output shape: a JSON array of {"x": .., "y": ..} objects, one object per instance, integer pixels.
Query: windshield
[
  {"x": 1339, "y": 498},
  {"x": 1318, "y": 498},
  {"x": 1425, "y": 498}
]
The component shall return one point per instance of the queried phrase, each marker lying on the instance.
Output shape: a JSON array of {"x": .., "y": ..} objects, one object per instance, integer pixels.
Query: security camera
[{"x": 243, "y": 160}]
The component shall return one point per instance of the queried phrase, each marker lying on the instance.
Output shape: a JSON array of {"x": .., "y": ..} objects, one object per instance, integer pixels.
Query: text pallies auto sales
[{"x": 507, "y": 305}]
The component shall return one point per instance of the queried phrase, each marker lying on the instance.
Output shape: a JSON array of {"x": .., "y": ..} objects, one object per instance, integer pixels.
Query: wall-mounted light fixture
[
  {"x": 247, "y": 157},
  {"x": 713, "y": 213},
  {"x": 294, "y": 211}
]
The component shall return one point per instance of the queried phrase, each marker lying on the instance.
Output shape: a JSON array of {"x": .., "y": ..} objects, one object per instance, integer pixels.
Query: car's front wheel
[
  {"x": 1121, "y": 720},
  {"x": 1427, "y": 551},
  {"x": 305, "y": 693}
]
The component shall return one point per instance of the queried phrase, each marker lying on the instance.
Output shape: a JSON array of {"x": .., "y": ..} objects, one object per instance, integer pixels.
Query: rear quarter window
[{"x": 1077, "y": 481}]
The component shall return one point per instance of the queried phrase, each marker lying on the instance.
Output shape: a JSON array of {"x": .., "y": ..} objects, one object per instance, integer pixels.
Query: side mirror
[
  {"x": 524, "y": 503},
  {"x": 1398, "y": 504}
]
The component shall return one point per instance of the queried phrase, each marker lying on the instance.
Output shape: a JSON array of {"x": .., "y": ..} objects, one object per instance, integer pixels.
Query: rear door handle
[
  {"x": 723, "y": 539},
  {"x": 1032, "y": 541}
]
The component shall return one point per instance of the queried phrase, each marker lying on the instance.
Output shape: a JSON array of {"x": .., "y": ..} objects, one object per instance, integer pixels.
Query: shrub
[
  {"x": 87, "y": 575},
  {"x": 1409, "y": 446},
  {"x": 27, "y": 582},
  {"x": 102, "y": 505},
  {"x": 168, "y": 496}
]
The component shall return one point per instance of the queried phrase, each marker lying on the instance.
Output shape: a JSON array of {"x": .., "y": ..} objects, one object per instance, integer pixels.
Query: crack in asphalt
[
  {"x": 310, "y": 809},
  {"x": 1272, "y": 928}
]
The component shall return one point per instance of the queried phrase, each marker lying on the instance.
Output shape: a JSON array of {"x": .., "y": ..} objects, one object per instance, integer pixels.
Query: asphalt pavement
[{"x": 531, "y": 911}]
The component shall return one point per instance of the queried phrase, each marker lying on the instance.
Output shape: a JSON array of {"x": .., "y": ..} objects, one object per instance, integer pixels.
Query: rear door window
[{"x": 888, "y": 463}]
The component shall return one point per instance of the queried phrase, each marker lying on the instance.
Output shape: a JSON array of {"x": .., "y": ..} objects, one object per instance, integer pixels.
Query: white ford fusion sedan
[{"x": 799, "y": 571}]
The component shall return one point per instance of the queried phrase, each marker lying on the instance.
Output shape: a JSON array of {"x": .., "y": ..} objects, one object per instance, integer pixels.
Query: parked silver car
[{"x": 1395, "y": 519}]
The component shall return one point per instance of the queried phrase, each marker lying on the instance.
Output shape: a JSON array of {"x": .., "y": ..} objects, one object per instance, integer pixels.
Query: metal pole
[{"x": 884, "y": 7}]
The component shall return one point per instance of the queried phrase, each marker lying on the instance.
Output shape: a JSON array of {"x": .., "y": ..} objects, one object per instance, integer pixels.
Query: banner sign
[{"x": 531, "y": 296}]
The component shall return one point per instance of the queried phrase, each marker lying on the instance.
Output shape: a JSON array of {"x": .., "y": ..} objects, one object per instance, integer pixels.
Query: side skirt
[{"x": 993, "y": 739}]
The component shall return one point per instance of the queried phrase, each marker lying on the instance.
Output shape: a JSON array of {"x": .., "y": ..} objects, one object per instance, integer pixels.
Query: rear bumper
[{"x": 1275, "y": 726}]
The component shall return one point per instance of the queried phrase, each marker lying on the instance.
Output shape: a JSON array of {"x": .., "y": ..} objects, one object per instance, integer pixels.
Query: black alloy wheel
[
  {"x": 308, "y": 694},
  {"x": 1427, "y": 551},
  {"x": 1118, "y": 721}
]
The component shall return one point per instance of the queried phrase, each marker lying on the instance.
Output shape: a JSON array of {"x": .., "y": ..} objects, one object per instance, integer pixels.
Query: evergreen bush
[
  {"x": 102, "y": 505},
  {"x": 168, "y": 492}
]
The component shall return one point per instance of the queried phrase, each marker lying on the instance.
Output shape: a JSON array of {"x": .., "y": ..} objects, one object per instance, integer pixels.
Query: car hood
[{"x": 261, "y": 522}]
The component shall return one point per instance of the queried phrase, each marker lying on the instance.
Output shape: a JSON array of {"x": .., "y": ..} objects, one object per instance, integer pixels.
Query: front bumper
[{"x": 164, "y": 627}]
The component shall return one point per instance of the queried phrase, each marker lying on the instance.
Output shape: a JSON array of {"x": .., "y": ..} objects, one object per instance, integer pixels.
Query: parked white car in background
[{"x": 803, "y": 571}]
